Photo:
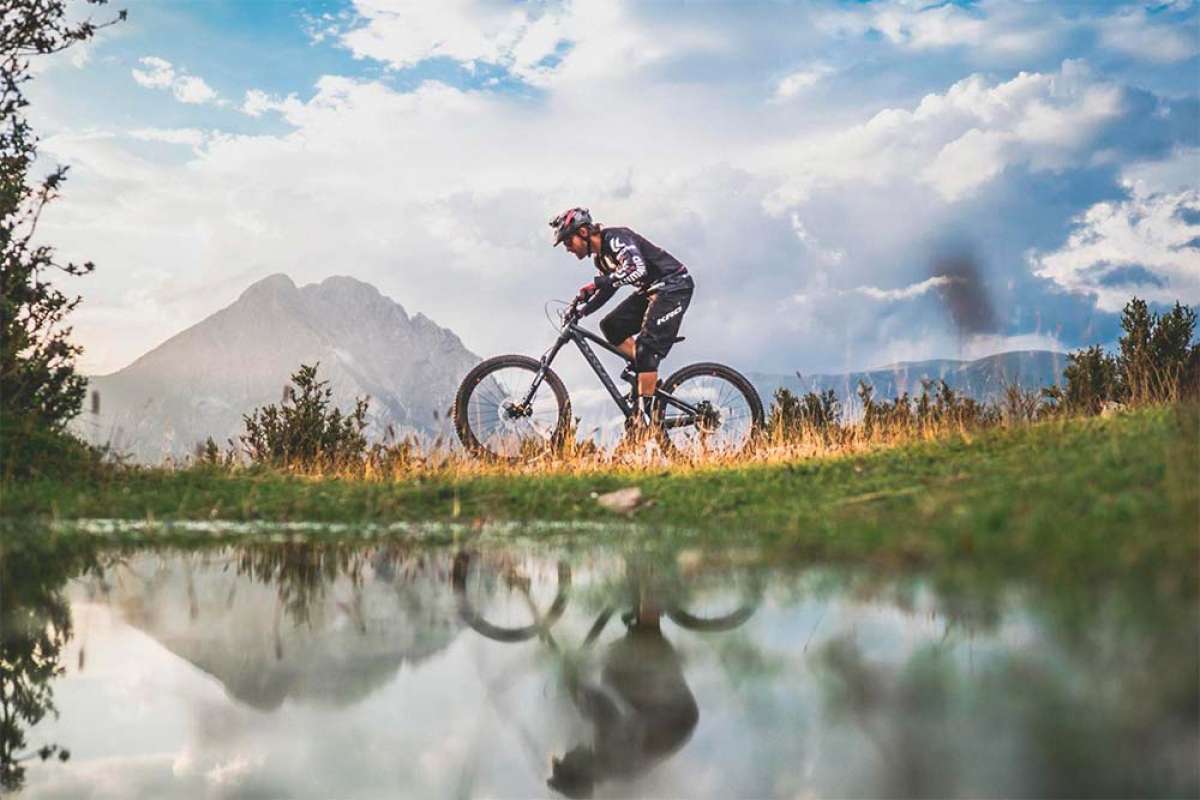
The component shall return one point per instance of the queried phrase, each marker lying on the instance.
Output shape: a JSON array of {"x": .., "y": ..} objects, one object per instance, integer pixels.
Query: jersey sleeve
[{"x": 604, "y": 291}]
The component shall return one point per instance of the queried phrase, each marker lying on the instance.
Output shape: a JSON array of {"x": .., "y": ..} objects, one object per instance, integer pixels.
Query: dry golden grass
[{"x": 410, "y": 460}]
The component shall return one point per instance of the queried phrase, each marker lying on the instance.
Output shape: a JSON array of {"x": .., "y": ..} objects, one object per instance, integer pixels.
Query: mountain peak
[
  {"x": 270, "y": 285},
  {"x": 343, "y": 287},
  {"x": 201, "y": 381}
]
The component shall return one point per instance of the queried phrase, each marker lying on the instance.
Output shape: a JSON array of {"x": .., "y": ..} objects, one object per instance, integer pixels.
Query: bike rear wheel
[
  {"x": 730, "y": 412},
  {"x": 492, "y": 421}
]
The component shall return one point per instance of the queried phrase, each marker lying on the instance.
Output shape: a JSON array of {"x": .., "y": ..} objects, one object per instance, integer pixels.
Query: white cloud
[
  {"x": 1148, "y": 245},
  {"x": 257, "y": 102},
  {"x": 161, "y": 74},
  {"x": 999, "y": 30},
  {"x": 600, "y": 41},
  {"x": 439, "y": 195},
  {"x": 158, "y": 73},
  {"x": 324, "y": 26},
  {"x": 1133, "y": 32},
  {"x": 81, "y": 54},
  {"x": 989, "y": 30},
  {"x": 797, "y": 82},
  {"x": 190, "y": 89},
  {"x": 958, "y": 141},
  {"x": 192, "y": 137},
  {"x": 929, "y": 27},
  {"x": 824, "y": 254},
  {"x": 405, "y": 33},
  {"x": 907, "y": 292}
]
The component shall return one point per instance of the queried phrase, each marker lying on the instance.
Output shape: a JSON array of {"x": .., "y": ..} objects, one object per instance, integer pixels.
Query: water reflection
[
  {"x": 35, "y": 626},
  {"x": 640, "y": 707},
  {"x": 320, "y": 623},
  {"x": 316, "y": 669}
]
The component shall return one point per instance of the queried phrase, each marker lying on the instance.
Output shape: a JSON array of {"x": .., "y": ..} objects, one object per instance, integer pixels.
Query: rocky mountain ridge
[{"x": 201, "y": 381}]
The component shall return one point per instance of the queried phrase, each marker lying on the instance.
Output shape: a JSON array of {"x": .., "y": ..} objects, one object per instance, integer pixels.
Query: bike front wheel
[
  {"x": 719, "y": 411},
  {"x": 494, "y": 420}
]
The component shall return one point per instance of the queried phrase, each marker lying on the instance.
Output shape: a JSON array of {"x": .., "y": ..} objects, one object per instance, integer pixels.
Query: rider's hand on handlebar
[
  {"x": 571, "y": 311},
  {"x": 585, "y": 293}
]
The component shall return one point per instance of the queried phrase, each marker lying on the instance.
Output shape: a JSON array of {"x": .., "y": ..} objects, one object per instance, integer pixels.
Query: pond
[{"x": 579, "y": 663}]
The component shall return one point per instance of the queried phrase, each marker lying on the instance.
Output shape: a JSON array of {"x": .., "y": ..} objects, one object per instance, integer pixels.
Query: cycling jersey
[{"x": 629, "y": 259}]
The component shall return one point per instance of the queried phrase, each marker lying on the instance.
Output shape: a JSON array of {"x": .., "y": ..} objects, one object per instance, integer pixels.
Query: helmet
[{"x": 566, "y": 223}]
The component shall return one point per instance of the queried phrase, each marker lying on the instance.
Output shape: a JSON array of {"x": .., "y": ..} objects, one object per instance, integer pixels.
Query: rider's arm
[{"x": 604, "y": 291}]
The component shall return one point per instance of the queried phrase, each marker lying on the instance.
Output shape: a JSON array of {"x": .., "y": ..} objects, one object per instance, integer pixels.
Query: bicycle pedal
[{"x": 629, "y": 375}]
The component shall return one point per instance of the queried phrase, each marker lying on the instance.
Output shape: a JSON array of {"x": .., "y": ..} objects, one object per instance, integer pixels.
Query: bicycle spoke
[
  {"x": 723, "y": 421},
  {"x": 498, "y": 421}
]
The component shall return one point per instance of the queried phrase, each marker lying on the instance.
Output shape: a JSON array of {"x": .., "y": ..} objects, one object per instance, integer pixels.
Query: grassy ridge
[{"x": 1124, "y": 492}]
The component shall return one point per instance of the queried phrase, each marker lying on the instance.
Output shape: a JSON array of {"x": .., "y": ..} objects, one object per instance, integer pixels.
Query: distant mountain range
[
  {"x": 983, "y": 379},
  {"x": 200, "y": 382}
]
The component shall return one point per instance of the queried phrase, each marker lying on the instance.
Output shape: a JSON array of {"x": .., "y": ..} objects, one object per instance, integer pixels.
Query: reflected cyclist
[{"x": 641, "y": 713}]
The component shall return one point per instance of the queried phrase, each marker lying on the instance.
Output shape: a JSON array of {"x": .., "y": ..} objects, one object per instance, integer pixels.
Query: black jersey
[{"x": 629, "y": 259}]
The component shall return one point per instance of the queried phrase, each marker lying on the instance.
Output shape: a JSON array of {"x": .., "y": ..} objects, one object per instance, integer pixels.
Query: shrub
[
  {"x": 1020, "y": 406},
  {"x": 1090, "y": 379},
  {"x": 31, "y": 450},
  {"x": 1155, "y": 352},
  {"x": 306, "y": 429},
  {"x": 816, "y": 411},
  {"x": 1156, "y": 362}
]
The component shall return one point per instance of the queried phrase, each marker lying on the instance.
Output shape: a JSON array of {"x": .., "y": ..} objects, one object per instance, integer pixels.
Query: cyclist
[{"x": 662, "y": 292}]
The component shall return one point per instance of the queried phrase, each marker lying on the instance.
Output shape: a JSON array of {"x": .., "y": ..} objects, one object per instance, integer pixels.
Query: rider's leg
[
  {"x": 647, "y": 383},
  {"x": 627, "y": 347},
  {"x": 660, "y": 326}
]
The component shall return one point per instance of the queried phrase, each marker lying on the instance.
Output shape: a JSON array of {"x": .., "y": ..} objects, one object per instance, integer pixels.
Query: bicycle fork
[{"x": 544, "y": 364}]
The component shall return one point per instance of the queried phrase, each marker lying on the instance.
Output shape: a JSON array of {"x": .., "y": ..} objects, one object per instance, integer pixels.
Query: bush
[
  {"x": 1091, "y": 378},
  {"x": 304, "y": 430},
  {"x": 1156, "y": 362},
  {"x": 1155, "y": 353},
  {"x": 31, "y": 450},
  {"x": 816, "y": 411}
]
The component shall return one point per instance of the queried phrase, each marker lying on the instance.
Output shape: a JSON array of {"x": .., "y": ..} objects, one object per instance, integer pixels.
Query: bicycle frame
[{"x": 572, "y": 332}]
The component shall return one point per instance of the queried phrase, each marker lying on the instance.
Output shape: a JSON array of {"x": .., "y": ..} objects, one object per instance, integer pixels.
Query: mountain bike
[
  {"x": 513, "y": 406},
  {"x": 512, "y": 599}
]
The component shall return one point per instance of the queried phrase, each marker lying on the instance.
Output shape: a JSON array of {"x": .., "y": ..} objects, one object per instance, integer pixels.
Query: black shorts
[{"x": 654, "y": 318}]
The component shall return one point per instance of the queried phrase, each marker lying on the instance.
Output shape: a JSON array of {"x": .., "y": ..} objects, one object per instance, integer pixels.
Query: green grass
[{"x": 1120, "y": 493}]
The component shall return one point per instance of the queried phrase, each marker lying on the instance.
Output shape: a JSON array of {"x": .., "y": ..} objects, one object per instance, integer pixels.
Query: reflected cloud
[{"x": 312, "y": 668}]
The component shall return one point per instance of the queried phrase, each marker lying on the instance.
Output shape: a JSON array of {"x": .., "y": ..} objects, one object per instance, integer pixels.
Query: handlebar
[{"x": 571, "y": 313}]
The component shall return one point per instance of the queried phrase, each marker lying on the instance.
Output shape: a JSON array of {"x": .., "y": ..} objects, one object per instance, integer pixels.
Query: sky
[{"x": 850, "y": 183}]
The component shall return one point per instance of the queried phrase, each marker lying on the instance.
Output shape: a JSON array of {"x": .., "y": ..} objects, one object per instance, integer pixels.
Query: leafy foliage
[
  {"x": 1155, "y": 362},
  {"x": 306, "y": 429},
  {"x": 817, "y": 410},
  {"x": 37, "y": 370},
  {"x": 1091, "y": 379},
  {"x": 28, "y": 450}
]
